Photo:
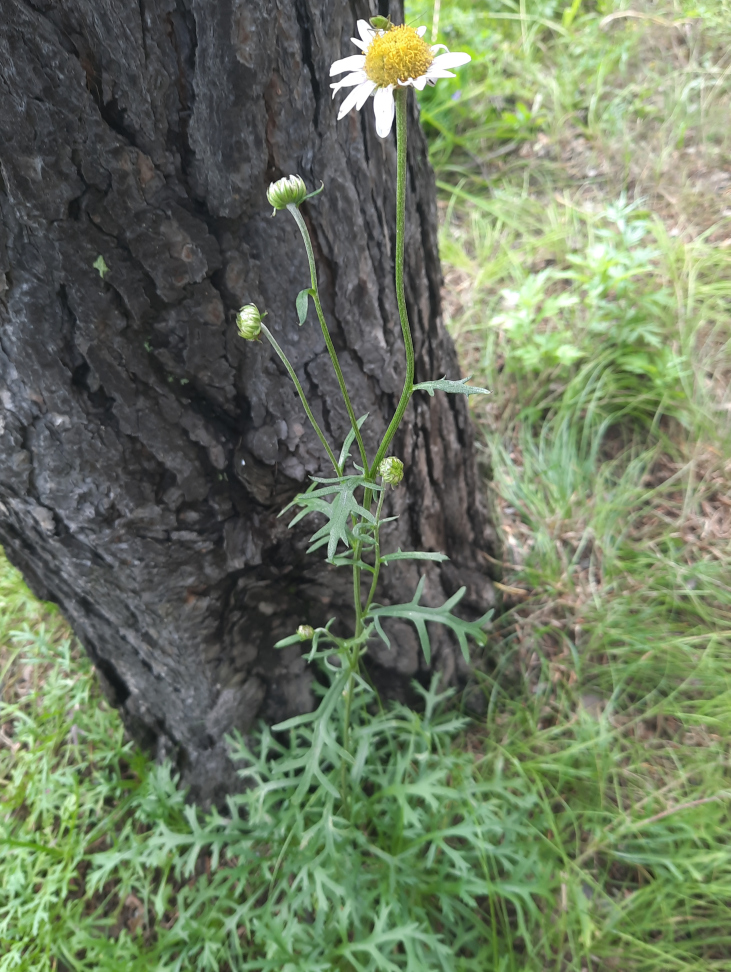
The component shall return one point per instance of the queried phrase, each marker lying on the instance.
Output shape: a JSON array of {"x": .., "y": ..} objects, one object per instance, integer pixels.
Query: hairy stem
[
  {"x": 400, "y": 95},
  {"x": 297, "y": 215},
  {"x": 303, "y": 399}
]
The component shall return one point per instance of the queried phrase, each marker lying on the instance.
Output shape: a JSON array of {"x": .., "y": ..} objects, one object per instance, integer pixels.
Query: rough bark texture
[{"x": 145, "y": 450}]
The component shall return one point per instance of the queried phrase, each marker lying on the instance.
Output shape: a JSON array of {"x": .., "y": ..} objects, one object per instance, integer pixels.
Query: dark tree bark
[{"x": 145, "y": 450}]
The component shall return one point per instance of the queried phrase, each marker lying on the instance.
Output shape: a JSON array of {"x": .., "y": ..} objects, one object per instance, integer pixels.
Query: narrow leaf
[
  {"x": 454, "y": 387},
  {"x": 349, "y": 440},
  {"x": 302, "y": 303},
  {"x": 414, "y": 555},
  {"x": 291, "y": 640},
  {"x": 315, "y": 192},
  {"x": 344, "y": 560}
]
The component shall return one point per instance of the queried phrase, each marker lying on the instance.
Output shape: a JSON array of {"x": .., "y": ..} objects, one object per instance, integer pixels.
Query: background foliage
[{"x": 581, "y": 823}]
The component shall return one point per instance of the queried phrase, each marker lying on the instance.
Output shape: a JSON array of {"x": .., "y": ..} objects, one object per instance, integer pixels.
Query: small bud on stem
[
  {"x": 391, "y": 470},
  {"x": 291, "y": 190},
  {"x": 248, "y": 321}
]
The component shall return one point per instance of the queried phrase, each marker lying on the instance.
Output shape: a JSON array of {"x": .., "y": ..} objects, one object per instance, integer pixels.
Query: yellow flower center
[{"x": 397, "y": 55}]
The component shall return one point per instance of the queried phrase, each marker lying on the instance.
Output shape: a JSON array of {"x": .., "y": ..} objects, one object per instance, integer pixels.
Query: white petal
[
  {"x": 361, "y": 45},
  {"x": 365, "y": 89},
  {"x": 352, "y": 100},
  {"x": 421, "y": 31},
  {"x": 450, "y": 60},
  {"x": 417, "y": 83},
  {"x": 352, "y": 63},
  {"x": 435, "y": 48},
  {"x": 365, "y": 30},
  {"x": 384, "y": 108},
  {"x": 358, "y": 77},
  {"x": 433, "y": 73}
]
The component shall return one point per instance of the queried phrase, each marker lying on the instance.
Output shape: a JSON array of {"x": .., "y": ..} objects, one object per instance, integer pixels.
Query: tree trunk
[{"x": 145, "y": 450}]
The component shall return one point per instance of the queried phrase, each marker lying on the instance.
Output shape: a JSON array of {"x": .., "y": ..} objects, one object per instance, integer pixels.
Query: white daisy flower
[{"x": 396, "y": 56}]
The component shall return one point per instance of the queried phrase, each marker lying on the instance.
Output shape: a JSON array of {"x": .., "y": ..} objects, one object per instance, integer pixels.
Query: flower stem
[
  {"x": 377, "y": 553},
  {"x": 400, "y": 95},
  {"x": 352, "y": 659},
  {"x": 357, "y": 602},
  {"x": 300, "y": 391},
  {"x": 297, "y": 215}
]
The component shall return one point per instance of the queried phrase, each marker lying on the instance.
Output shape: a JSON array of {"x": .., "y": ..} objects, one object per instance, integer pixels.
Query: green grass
[{"x": 582, "y": 823}]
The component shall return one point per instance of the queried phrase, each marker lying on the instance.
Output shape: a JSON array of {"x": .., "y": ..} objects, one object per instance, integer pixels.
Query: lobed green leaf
[
  {"x": 338, "y": 513},
  {"x": 419, "y": 615}
]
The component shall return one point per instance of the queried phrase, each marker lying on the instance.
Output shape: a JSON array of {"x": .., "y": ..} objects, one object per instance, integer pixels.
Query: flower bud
[
  {"x": 248, "y": 321},
  {"x": 286, "y": 191},
  {"x": 306, "y": 632},
  {"x": 391, "y": 470}
]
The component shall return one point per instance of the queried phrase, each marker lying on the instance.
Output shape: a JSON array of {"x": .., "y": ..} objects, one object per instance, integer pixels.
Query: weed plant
[
  {"x": 582, "y": 823},
  {"x": 105, "y": 866}
]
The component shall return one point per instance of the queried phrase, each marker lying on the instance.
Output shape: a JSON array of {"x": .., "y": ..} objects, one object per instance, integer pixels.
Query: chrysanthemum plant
[{"x": 392, "y": 59}]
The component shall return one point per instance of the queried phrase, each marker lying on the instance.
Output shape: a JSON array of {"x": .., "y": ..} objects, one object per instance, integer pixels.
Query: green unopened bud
[
  {"x": 248, "y": 321},
  {"x": 306, "y": 632},
  {"x": 391, "y": 470},
  {"x": 287, "y": 191}
]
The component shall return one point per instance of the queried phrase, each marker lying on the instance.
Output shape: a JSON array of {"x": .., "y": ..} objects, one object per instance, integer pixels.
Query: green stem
[
  {"x": 349, "y": 701},
  {"x": 400, "y": 95},
  {"x": 377, "y": 551},
  {"x": 359, "y": 612},
  {"x": 352, "y": 661},
  {"x": 308, "y": 410},
  {"x": 297, "y": 215},
  {"x": 353, "y": 658},
  {"x": 357, "y": 602},
  {"x": 357, "y": 550}
]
